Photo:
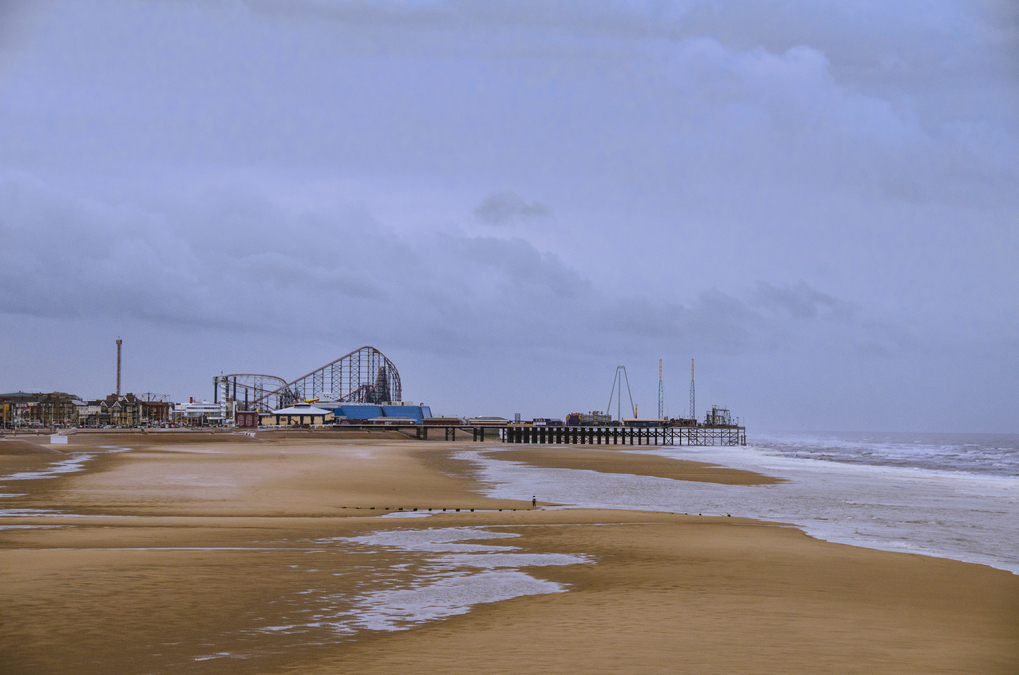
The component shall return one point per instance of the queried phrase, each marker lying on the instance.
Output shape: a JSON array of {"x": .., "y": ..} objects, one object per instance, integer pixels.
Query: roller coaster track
[{"x": 364, "y": 375}]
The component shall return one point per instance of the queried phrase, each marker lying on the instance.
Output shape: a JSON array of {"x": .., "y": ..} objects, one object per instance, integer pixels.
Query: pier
[
  {"x": 701, "y": 435},
  {"x": 563, "y": 435},
  {"x": 560, "y": 435}
]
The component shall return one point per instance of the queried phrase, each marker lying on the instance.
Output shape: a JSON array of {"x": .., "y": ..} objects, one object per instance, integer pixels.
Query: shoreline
[
  {"x": 655, "y": 462},
  {"x": 961, "y": 516},
  {"x": 227, "y": 549}
]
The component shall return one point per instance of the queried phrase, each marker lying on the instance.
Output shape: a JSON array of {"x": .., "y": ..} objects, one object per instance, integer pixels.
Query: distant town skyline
[{"x": 819, "y": 201}]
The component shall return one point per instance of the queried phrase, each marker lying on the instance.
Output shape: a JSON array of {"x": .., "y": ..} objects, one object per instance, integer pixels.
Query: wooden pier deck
[
  {"x": 718, "y": 435},
  {"x": 564, "y": 435}
]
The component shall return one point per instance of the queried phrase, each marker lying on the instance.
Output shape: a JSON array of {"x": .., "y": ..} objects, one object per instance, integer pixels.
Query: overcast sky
[{"x": 817, "y": 200}]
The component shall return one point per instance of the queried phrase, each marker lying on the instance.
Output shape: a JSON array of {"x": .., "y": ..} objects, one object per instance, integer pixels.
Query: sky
[{"x": 817, "y": 200}]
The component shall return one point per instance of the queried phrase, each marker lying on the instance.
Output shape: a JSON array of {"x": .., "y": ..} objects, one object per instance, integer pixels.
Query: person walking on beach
[{"x": 534, "y": 501}]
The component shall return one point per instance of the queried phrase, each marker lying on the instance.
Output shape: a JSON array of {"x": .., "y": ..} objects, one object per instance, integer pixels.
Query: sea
[{"x": 945, "y": 495}]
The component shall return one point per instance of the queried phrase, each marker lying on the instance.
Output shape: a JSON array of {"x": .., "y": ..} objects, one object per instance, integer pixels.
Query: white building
[
  {"x": 201, "y": 413},
  {"x": 300, "y": 414}
]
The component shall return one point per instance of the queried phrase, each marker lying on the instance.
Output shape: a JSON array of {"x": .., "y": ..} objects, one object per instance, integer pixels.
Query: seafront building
[
  {"x": 201, "y": 413},
  {"x": 26, "y": 409},
  {"x": 60, "y": 409},
  {"x": 299, "y": 414},
  {"x": 124, "y": 411},
  {"x": 56, "y": 409}
]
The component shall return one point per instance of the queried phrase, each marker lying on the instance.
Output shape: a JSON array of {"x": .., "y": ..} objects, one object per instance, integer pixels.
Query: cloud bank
[{"x": 818, "y": 201}]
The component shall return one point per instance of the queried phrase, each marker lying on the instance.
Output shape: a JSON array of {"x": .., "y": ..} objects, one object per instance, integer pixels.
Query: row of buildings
[{"x": 60, "y": 409}]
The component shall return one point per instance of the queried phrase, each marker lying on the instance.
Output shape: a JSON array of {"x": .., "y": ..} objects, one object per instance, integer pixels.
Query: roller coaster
[{"x": 364, "y": 375}]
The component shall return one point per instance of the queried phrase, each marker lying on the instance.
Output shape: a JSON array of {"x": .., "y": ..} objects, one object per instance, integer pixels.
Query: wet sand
[
  {"x": 633, "y": 463},
  {"x": 234, "y": 555}
]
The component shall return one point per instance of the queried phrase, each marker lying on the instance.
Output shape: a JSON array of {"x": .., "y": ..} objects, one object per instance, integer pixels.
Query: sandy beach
[{"x": 303, "y": 553}]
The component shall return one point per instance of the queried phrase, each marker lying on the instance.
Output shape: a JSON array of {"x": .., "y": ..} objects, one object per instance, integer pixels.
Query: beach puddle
[
  {"x": 400, "y": 609},
  {"x": 72, "y": 464},
  {"x": 460, "y": 576},
  {"x": 33, "y": 513},
  {"x": 417, "y": 576}
]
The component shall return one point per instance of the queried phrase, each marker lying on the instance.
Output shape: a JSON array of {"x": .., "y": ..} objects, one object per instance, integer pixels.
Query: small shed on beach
[
  {"x": 246, "y": 420},
  {"x": 299, "y": 414}
]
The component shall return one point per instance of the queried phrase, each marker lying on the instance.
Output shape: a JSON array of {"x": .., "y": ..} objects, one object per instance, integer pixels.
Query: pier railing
[{"x": 705, "y": 435}]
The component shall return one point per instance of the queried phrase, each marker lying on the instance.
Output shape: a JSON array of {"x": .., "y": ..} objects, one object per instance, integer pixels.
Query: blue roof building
[{"x": 357, "y": 412}]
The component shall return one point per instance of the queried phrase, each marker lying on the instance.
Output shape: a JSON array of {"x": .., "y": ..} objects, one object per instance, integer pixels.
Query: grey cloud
[
  {"x": 735, "y": 113},
  {"x": 508, "y": 310},
  {"x": 800, "y": 301},
  {"x": 522, "y": 266},
  {"x": 790, "y": 107},
  {"x": 280, "y": 270},
  {"x": 596, "y": 17},
  {"x": 71, "y": 257},
  {"x": 506, "y": 208},
  {"x": 897, "y": 36}
]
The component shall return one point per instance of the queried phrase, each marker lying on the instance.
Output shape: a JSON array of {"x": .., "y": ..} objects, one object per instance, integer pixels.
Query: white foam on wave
[
  {"x": 987, "y": 454},
  {"x": 968, "y": 517}
]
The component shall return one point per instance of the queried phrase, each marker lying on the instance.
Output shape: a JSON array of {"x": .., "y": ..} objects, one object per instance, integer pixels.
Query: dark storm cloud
[
  {"x": 274, "y": 269},
  {"x": 801, "y": 302},
  {"x": 505, "y": 208},
  {"x": 199, "y": 263}
]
